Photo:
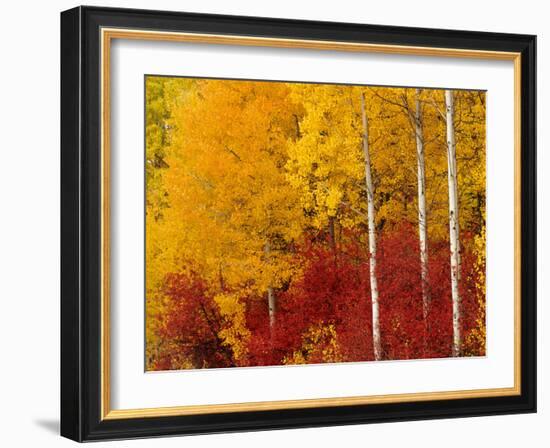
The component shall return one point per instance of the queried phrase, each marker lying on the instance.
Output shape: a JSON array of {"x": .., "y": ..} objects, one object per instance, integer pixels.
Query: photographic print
[
  {"x": 290, "y": 207},
  {"x": 298, "y": 223}
]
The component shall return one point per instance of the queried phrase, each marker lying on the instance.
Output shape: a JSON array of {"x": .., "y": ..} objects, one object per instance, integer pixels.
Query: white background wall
[{"x": 29, "y": 224}]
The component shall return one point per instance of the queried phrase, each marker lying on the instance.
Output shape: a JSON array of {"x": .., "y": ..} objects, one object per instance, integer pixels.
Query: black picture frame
[{"x": 81, "y": 224}]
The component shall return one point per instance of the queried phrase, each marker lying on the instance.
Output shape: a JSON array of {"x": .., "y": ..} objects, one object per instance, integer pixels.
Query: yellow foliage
[
  {"x": 476, "y": 339},
  {"x": 237, "y": 334},
  {"x": 319, "y": 344},
  {"x": 237, "y": 170}
]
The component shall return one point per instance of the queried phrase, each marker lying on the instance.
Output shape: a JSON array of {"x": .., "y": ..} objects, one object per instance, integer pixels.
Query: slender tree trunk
[
  {"x": 271, "y": 298},
  {"x": 372, "y": 237},
  {"x": 422, "y": 217},
  {"x": 453, "y": 223}
]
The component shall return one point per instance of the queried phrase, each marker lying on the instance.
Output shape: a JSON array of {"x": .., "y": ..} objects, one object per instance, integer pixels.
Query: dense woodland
[{"x": 291, "y": 223}]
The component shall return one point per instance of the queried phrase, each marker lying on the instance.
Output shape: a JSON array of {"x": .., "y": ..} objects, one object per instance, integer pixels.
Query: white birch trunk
[
  {"x": 422, "y": 217},
  {"x": 271, "y": 298},
  {"x": 453, "y": 222},
  {"x": 372, "y": 237}
]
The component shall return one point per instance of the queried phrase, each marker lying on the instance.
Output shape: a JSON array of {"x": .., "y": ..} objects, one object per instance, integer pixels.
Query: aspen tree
[
  {"x": 454, "y": 238},
  {"x": 271, "y": 298},
  {"x": 372, "y": 236},
  {"x": 422, "y": 217}
]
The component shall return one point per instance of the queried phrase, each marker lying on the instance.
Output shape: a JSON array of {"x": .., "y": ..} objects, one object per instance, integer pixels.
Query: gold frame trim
[{"x": 107, "y": 35}]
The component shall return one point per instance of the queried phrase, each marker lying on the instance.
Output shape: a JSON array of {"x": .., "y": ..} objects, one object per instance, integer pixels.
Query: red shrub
[
  {"x": 333, "y": 290},
  {"x": 192, "y": 326}
]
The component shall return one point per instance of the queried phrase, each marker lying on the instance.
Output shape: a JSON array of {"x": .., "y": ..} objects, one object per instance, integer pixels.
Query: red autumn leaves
[{"x": 325, "y": 315}]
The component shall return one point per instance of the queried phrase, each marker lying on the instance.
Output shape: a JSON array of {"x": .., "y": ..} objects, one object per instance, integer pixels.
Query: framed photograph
[{"x": 273, "y": 223}]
